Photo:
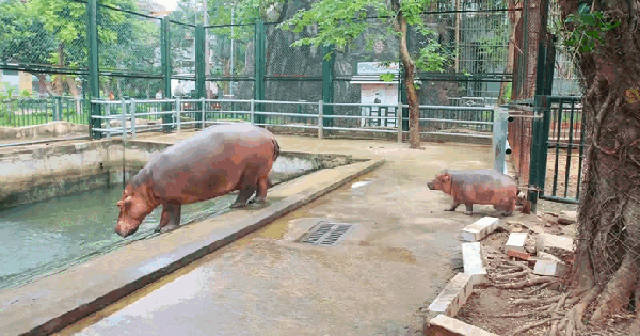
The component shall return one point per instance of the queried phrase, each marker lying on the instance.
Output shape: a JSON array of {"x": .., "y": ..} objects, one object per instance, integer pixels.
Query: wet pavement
[{"x": 376, "y": 282}]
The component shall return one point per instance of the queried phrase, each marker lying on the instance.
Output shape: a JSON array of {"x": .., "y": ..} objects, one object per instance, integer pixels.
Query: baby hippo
[{"x": 469, "y": 187}]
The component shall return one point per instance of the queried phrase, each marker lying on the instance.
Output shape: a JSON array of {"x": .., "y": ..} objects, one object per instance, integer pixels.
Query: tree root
[
  {"x": 509, "y": 276},
  {"x": 524, "y": 329},
  {"x": 526, "y": 283},
  {"x": 537, "y": 300},
  {"x": 543, "y": 286},
  {"x": 618, "y": 289},
  {"x": 544, "y": 309},
  {"x": 573, "y": 320}
]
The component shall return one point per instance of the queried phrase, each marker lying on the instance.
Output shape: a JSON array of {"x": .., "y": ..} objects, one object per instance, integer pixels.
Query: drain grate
[{"x": 327, "y": 233}]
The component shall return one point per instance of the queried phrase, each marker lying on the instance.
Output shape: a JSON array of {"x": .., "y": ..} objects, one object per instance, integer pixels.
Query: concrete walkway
[{"x": 376, "y": 282}]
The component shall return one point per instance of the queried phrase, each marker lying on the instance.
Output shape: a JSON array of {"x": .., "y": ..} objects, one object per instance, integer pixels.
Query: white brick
[
  {"x": 442, "y": 323},
  {"x": 547, "y": 267},
  {"x": 516, "y": 242},
  {"x": 545, "y": 240},
  {"x": 480, "y": 229},
  {"x": 454, "y": 295},
  {"x": 472, "y": 259}
]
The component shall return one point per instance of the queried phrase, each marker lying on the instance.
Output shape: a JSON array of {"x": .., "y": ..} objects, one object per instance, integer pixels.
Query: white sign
[{"x": 377, "y": 68}]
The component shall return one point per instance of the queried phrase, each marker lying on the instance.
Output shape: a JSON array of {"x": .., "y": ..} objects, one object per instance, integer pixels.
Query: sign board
[{"x": 377, "y": 68}]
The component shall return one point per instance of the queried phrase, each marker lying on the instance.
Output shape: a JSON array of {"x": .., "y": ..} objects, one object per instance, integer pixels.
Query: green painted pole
[
  {"x": 94, "y": 83},
  {"x": 200, "y": 69},
  {"x": 166, "y": 71},
  {"x": 327, "y": 85},
  {"x": 260, "y": 57}
]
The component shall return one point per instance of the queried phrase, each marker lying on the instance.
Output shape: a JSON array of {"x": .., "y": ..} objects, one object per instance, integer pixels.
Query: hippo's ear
[
  {"x": 446, "y": 177},
  {"x": 120, "y": 204}
]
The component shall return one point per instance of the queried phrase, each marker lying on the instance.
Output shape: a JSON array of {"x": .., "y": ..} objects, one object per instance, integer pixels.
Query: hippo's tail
[{"x": 276, "y": 149}]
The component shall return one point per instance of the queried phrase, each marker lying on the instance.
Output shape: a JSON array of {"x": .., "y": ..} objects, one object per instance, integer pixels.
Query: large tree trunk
[
  {"x": 514, "y": 17},
  {"x": 409, "y": 71},
  {"x": 607, "y": 255}
]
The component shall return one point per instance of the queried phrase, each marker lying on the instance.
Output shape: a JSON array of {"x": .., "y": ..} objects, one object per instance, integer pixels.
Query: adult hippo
[{"x": 216, "y": 161}]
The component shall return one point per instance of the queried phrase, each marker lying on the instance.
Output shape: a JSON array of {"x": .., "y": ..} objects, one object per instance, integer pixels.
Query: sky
[{"x": 168, "y": 4}]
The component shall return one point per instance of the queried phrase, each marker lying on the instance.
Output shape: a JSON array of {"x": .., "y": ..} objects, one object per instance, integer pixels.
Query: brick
[
  {"x": 516, "y": 242},
  {"x": 518, "y": 254},
  {"x": 480, "y": 229},
  {"x": 454, "y": 295},
  {"x": 442, "y": 325},
  {"x": 473, "y": 265}
]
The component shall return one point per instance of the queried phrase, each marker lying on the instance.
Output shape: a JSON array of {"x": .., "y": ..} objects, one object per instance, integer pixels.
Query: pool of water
[{"x": 47, "y": 236}]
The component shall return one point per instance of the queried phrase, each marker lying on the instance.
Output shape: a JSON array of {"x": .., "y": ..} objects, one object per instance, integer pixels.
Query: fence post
[
  {"x": 178, "y": 114},
  {"x": 123, "y": 105},
  {"x": 133, "y": 118},
  {"x": 200, "y": 71},
  {"x": 259, "y": 59},
  {"x": 327, "y": 84},
  {"x": 166, "y": 69},
  {"x": 108, "y": 113},
  {"x": 253, "y": 111},
  {"x": 399, "y": 116},
  {"x": 204, "y": 107},
  {"x": 500, "y": 141},
  {"x": 320, "y": 118},
  {"x": 92, "y": 38},
  {"x": 57, "y": 111}
]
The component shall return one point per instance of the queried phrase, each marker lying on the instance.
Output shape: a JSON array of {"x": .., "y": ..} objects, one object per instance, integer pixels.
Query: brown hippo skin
[
  {"x": 469, "y": 187},
  {"x": 216, "y": 161}
]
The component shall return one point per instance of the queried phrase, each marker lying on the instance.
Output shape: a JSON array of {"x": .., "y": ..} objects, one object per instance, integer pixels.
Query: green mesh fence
[
  {"x": 127, "y": 41},
  {"x": 183, "y": 54}
]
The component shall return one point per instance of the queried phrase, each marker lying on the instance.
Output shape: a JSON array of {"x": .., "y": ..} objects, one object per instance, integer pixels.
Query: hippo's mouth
[
  {"x": 430, "y": 185},
  {"x": 125, "y": 231}
]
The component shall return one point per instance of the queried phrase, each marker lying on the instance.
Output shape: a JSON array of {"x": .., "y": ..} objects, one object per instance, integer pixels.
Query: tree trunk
[
  {"x": 607, "y": 254},
  {"x": 42, "y": 78},
  {"x": 409, "y": 73},
  {"x": 514, "y": 17}
]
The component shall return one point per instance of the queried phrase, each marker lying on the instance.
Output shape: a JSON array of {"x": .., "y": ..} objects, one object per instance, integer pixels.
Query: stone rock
[{"x": 544, "y": 241}]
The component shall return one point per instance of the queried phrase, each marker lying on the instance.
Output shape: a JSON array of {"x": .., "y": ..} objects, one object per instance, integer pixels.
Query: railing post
[
  {"x": 57, "y": 112},
  {"x": 204, "y": 107},
  {"x": 178, "y": 114},
  {"x": 133, "y": 118},
  {"x": 320, "y": 119},
  {"x": 259, "y": 59},
  {"x": 108, "y": 113},
  {"x": 399, "y": 116},
  {"x": 253, "y": 111},
  {"x": 123, "y": 105}
]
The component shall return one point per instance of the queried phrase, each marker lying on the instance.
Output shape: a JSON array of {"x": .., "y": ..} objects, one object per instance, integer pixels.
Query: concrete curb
[
  {"x": 446, "y": 326},
  {"x": 33, "y": 309}
]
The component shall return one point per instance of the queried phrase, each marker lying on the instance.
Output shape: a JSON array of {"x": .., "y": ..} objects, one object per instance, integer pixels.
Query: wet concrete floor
[{"x": 376, "y": 282}]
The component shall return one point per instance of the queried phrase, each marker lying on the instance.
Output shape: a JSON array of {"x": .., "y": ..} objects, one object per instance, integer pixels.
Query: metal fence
[
  {"x": 98, "y": 51},
  {"x": 144, "y": 115},
  {"x": 29, "y": 111}
]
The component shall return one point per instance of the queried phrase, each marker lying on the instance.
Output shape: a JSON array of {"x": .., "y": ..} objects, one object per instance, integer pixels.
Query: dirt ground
[{"x": 490, "y": 307}]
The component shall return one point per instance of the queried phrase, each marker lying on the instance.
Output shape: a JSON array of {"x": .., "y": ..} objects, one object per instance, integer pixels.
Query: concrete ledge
[
  {"x": 473, "y": 265},
  {"x": 480, "y": 229},
  {"x": 37, "y": 309},
  {"x": 443, "y": 325},
  {"x": 454, "y": 295}
]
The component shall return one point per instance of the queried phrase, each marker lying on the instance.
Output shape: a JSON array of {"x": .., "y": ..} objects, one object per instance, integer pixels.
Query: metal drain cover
[{"x": 327, "y": 233}]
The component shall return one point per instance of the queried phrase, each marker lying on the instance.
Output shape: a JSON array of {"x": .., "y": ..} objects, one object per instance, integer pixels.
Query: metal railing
[{"x": 199, "y": 113}]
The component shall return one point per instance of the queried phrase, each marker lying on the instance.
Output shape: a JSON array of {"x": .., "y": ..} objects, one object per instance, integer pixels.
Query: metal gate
[{"x": 557, "y": 149}]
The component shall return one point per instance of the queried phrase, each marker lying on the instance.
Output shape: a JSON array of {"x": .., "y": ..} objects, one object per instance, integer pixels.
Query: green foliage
[
  {"x": 387, "y": 77},
  {"x": 433, "y": 58},
  {"x": 340, "y": 22},
  {"x": 25, "y": 93},
  {"x": 589, "y": 29}
]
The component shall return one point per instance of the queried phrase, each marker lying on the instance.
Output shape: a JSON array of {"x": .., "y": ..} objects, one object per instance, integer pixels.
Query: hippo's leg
[
  {"x": 261, "y": 193},
  {"x": 170, "y": 217},
  {"x": 453, "y": 206},
  {"x": 243, "y": 197},
  {"x": 469, "y": 207}
]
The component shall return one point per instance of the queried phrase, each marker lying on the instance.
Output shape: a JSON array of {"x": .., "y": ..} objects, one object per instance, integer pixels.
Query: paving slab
[
  {"x": 453, "y": 297},
  {"x": 473, "y": 263},
  {"x": 443, "y": 325},
  {"x": 480, "y": 229},
  {"x": 516, "y": 242}
]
